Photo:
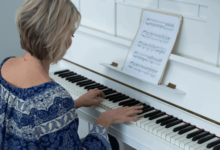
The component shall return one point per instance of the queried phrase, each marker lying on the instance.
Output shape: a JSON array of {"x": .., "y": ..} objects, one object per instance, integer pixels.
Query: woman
[{"x": 36, "y": 112}]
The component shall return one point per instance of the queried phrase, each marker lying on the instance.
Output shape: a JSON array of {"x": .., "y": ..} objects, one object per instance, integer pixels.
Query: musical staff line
[
  {"x": 156, "y": 37},
  {"x": 147, "y": 58},
  {"x": 159, "y": 24},
  {"x": 151, "y": 47},
  {"x": 140, "y": 68}
]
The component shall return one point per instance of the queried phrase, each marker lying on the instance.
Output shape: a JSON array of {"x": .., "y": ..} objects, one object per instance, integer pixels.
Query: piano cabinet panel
[
  {"x": 128, "y": 19},
  {"x": 191, "y": 40},
  {"x": 93, "y": 14},
  {"x": 203, "y": 11},
  {"x": 149, "y": 3},
  {"x": 179, "y": 7}
]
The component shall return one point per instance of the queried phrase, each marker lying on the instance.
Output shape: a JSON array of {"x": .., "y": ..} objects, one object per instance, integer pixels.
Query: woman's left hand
[{"x": 92, "y": 97}]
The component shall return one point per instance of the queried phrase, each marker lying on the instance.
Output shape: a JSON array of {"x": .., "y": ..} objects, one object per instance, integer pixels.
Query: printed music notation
[
  {"x": 160, "y": 24},
  {"x": 147, "y": 58},
  {"x": 156, "y": 37},
  {"x": 151, "y": 47},
  {"x": 143, "y": 69}
]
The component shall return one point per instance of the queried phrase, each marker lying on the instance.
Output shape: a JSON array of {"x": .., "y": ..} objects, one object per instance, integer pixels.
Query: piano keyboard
[{"x": 169, "y": 128}]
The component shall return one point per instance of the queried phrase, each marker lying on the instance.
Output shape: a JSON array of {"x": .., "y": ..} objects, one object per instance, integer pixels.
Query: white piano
[{"x": 105, "y": 35}]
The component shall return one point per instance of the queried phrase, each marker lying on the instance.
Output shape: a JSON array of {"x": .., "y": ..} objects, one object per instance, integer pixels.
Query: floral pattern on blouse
[{"x": 43, "y": 117}]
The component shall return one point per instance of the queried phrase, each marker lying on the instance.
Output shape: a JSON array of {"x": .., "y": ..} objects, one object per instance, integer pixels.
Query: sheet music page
[{"x": 152, "y": 46}]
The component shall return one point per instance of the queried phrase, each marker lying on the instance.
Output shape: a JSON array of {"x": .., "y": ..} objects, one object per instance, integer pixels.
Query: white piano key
[
  {"x": 182, "y": 137},
  {"x": 173, "y": 139},
  {"x": 169, "y": 136},
  {"x": 184, "y": 142},
  {"x": 111, "y": 105},
  {"x": 152, "y": 127},
  {"x": 142, "y": 120},
  {"x": 146, "y": 120},
  {"x": 136, "y": 116},
  {"x": 190, "y": 144},
  {"x": 151, "y": 124},
  {"x": 166, "y": 131}
]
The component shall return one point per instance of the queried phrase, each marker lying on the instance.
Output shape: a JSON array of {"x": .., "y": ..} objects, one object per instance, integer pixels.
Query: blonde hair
[{"x": 44, "y": 27}]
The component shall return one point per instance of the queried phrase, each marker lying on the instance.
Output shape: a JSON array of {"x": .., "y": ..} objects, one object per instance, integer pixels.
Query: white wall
[{"x": 9, "y": 37}]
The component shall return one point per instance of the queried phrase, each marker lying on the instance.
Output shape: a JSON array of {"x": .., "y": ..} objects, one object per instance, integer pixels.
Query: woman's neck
[{"x": 43, "y": 67}]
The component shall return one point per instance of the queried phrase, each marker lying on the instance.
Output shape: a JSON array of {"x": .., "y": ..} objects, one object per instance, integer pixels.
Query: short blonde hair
[{"x": 44, "y": 27}]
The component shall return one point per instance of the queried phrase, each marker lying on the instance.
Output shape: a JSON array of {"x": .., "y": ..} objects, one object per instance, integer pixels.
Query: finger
[
  {"x": 137, "y": 107},
  {"x": 132, "y": 119},
  {"x": 96, "y": 89},
  {"x": 99, "y": 100},
  {"x": 132, "y": 112},
  {"x": 99, "y": 92}
]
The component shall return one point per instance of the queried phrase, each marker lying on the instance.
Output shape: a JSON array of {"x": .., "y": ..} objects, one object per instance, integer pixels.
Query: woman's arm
[
  {"x": 92, "y": 97},
  {"x": 78, "y": 103}
]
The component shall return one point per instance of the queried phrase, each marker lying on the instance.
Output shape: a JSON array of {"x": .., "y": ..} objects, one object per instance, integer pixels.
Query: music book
[{"x": 151, "y": 48}]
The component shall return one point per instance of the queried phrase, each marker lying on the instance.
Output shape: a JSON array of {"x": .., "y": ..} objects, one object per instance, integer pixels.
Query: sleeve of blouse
[
  {"x": 60, "y": 130},
  {"x": 97, "y": 139}
]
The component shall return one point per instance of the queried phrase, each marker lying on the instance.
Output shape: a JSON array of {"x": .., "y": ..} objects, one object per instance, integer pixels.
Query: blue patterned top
[{"x": 43, "y": 117}]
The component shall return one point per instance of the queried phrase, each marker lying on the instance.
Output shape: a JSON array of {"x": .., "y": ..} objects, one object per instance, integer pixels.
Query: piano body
[{"x": 105, "y": 35}]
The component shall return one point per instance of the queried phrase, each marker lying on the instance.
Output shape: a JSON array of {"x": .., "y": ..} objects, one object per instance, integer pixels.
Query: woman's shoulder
[{"x": 27, "y": 76}]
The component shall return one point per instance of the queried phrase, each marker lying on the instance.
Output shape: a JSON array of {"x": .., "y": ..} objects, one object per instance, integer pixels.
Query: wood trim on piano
[{"x": 189, "y": 111}]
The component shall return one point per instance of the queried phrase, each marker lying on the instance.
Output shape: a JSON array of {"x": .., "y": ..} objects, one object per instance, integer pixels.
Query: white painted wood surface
[{"x": 192, "y": 65}]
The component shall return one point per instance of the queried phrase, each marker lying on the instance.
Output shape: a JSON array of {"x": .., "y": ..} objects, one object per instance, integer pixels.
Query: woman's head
[{"x": 45, "y": 27}]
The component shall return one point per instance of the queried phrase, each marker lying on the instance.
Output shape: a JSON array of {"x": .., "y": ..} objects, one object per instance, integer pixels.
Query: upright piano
[{"x": 187, "y": 117}]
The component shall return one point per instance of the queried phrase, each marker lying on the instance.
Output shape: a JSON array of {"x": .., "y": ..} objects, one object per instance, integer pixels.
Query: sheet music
[{"x": 152, "y": 46}]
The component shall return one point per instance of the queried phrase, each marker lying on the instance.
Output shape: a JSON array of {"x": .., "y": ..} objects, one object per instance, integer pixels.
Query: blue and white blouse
[{"x": 43, "y": 117}]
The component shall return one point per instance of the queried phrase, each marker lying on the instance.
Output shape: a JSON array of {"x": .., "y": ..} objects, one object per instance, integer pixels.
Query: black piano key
[
  {"x": 181, "y": 127},
  {"x": 122, "y": 103},
  {"x": 74, "y": 77},
  {"x": 77, "y": 80},
  {"x": 89, "y": 82},
  {"x": 168, "y": 121},
  {"x": 97, "y": 86},
  {"x": 102, "y": 87},
  {"x": 115, "y": 95},
  {"x": 217, "y": 147},
  {"x": 67, "y": 75},
  {"x": 200, "y": 136},
  {"x": 138, "y": 103},
  {"x": 146, "y": 110},
  {"x": 120, "y": 96},
  {"x": 146, "y": 106},
  {"x": 131, "y": 104},
  {"x": 173, "y": 123},
  {"x": 120, "y": 99},
  {"x": 164, "y": 119},
  {"x": 157, "y": 116},
  {"x": 152, "y": 113},
  {"x": 194, "y": 133},
  {"x": 92, "y": 86},
  {"x": 70, "y": 80},
  {"x": 212, "y": 144},
  {"x": 202, "y": 140},
  {"x": 63, "y": 74},
  {"x": 109, "y": 92},
  {"x": 182, "y": 131},
  {"x": 61, "y": 71}
]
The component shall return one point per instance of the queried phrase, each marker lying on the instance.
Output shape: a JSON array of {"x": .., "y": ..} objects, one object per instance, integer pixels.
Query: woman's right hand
[{"x": 119, "y": 115}]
